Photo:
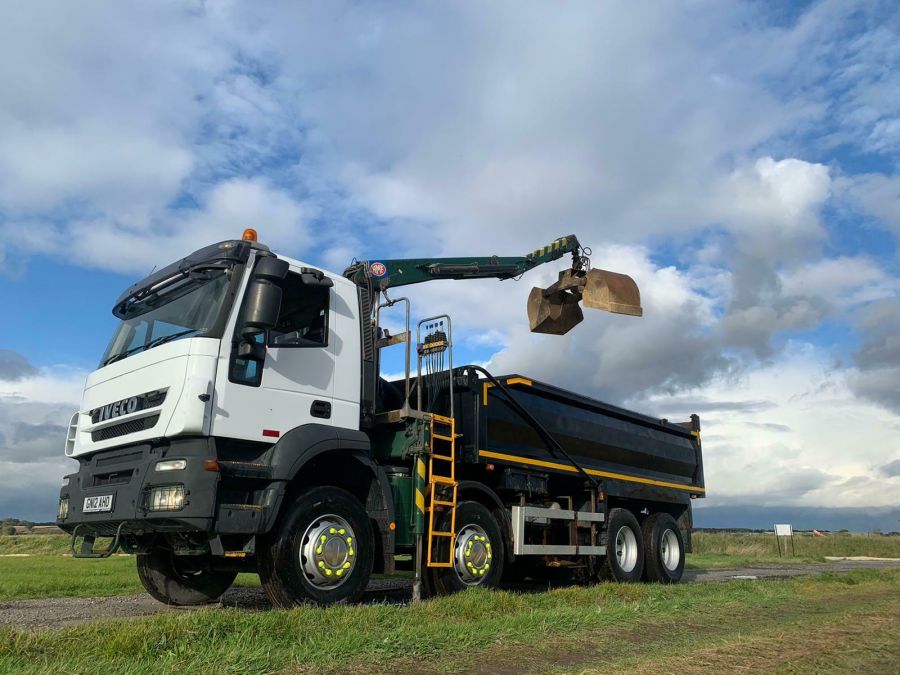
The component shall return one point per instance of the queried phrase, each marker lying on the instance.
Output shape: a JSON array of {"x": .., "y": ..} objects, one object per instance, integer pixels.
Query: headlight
[
  {"x": 171, "y": 465},
  {"x": 62, "y": 511},
  {"x": 169, "y": 498}
]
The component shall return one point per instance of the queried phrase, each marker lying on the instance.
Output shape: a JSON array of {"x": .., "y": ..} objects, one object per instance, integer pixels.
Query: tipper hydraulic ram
[{"x": 239, "y": 422}]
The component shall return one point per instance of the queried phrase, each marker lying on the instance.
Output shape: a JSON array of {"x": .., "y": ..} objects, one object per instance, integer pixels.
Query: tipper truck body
[{"x": 238, "y": 422}]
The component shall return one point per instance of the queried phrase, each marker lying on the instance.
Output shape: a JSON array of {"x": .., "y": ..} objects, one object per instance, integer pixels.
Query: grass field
[
  {"x": 763, "y": 546},
  {"x": 831, "y": 623},
  {"x": 48, "y": 572},
  {"x": 64, "y": 577}
]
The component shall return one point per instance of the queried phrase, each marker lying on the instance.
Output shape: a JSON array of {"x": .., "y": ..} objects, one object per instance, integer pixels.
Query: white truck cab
[{"x": 173, "y": 370}]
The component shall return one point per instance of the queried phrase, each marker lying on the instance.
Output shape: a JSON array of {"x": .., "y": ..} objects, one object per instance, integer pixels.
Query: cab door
[{"x": 294, "y": 385}]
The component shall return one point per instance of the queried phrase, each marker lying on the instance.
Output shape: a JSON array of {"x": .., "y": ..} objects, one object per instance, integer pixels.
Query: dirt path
[{"x": 62, "y": 612}]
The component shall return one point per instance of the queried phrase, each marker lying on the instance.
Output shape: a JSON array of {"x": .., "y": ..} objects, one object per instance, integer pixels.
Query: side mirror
[
  {"x": 261, "y": 306},
  {"x": 270, "y": 268}
]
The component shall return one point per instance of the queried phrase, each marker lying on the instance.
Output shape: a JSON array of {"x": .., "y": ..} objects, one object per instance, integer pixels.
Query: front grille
[
  {"x": 115, "y": 478},
  {"x": 130, "y": 427},
  {"x": 150, "y": 399},
  {"x": 113, "y": 457}
]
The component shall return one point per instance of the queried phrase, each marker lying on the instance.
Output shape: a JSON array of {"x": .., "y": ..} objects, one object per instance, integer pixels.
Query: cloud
[
  {"x": 877, "y": 195},
  {"x": 771, "y": 426},
  {"x": 775, "y": 199},
  {"x": 891, "y": 469},
  {"x": 878, "y": 357},
  {"x": 34, "y": 414},
  {"x": 14, "y": 366},
  {"x": 703, "y": 148},
  {"x": 79, "y": 125},
  {"x": 225, "y": 211},
  {"x": 617, "y": 357},
  {"x": 799, "y": 450}
]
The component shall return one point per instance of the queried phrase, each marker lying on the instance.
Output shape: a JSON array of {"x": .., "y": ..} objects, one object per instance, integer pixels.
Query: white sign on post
[{"x": 784, "y": 530}]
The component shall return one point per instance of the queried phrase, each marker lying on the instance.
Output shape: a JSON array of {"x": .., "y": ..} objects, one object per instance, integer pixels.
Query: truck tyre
[
  {"x": 664, "y": 547},
  {"x": 624, "y": 561},
  {"x": 322, "y": 552},
  {"x": 180, "y": 580},
  {"x": 478, "y": 552}
]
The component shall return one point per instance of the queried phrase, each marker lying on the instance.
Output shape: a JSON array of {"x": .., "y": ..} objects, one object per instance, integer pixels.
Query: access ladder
[{"x": 442, "y": 486}]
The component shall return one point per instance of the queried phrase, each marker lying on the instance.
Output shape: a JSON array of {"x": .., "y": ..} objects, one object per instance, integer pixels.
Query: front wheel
[
  {"x": 478, "y": 552},
  {"x": 181, "y": 580},
  {"x": 322, "y": 553},
  {"x": 664, "y": 545}
]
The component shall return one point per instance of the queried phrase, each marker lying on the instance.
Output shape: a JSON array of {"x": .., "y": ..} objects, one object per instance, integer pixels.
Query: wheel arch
[
  {"x": 315, "y": 455},
  {"x": 470, "y": 490}
]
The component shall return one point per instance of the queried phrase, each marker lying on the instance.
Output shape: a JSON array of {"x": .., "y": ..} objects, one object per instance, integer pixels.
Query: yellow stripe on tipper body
[
  {"x": 420, "y": 467},
  {"x": 420, "y": 501},
  {"x": 513, "y": 380},
  {"x": 592, "y": 472}
]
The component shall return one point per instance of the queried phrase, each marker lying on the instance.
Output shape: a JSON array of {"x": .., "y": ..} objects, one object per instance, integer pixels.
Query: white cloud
[
  {"x": 228, "y": 208},
  {"x": 824, "y": 446},
  {"x": 611, "y": 356},
  {"x": 776, "y": 199},
  {"x": 675, "y": 139},
  {"x": 34, "y": 415},
  {"x": 877, "y": 195}
]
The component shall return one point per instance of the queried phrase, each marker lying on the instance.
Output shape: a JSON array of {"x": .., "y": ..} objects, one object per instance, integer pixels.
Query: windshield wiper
[{"x": 162, "y": 339}]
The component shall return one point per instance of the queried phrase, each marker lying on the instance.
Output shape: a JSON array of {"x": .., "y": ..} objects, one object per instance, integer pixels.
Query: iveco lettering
[{"x": 240, "y": 421}]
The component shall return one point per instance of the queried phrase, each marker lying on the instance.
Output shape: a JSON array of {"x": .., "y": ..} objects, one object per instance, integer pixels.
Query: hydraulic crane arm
[
  {"x": 550, "y": 310},
  {"x": 385, "y": 274}
]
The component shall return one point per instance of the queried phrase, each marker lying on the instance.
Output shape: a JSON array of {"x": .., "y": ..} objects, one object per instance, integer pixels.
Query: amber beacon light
[{"x": 249, "y": 234}]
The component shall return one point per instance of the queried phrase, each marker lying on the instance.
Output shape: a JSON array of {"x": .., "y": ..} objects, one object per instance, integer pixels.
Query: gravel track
[{"x": 54, "y": 613}]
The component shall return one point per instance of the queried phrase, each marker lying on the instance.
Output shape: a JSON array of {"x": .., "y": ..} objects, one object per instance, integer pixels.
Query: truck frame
[{"x": 239, "y": 422}]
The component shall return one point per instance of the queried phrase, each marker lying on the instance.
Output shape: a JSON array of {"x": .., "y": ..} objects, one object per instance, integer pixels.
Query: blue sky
[{"x": 740, "y": 160}]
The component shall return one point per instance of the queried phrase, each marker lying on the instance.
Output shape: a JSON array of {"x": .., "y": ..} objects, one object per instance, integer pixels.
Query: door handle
[{"x": 320, "y": 409}]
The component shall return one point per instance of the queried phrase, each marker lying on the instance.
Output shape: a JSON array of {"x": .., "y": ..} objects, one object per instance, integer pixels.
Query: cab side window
[{"x": 303, "y": 319}]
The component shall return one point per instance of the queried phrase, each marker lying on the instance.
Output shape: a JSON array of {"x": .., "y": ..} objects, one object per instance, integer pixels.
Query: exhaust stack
[{"x": 554, "y": 310}]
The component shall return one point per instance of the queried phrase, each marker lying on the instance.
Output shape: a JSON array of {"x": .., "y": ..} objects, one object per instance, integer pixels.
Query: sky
[{"x": 739, "y": 160}]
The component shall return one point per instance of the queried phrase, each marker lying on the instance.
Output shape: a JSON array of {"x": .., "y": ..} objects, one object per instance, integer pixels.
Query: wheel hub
[
  {"x": 473, "y": 555},
  {"x": 670, "y": 550},
  {"x": 626, "y": 549},
  {"x": 327, "y": 551}
]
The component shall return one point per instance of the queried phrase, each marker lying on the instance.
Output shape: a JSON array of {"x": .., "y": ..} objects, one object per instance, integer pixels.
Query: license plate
[{"x": 97, "y": 504}]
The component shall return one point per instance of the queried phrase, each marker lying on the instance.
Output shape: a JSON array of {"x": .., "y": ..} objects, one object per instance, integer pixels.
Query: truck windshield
[{"x": 186, "y": 308}]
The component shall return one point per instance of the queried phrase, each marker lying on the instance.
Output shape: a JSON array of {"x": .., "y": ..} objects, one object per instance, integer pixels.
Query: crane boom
[
  {"x": 552, "y": 310},
  {"x": 383, "y": 274}
]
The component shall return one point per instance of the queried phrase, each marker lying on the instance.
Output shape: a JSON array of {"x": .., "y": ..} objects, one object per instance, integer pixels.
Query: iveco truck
[{"x": 238, "y": 421}]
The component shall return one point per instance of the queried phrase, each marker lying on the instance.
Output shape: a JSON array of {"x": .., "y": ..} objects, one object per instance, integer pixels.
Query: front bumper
[{"x": 128, "y": 474}]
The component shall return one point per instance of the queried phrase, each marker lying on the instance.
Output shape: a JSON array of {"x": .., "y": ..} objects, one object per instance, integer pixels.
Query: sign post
[{"x": 784, "y": 530}]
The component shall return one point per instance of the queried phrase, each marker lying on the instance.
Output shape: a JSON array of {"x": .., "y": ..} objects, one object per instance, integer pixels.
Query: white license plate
[{"x": 97, "y": 504}]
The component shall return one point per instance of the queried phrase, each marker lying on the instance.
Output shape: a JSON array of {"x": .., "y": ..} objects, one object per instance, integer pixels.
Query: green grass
[
  {"x": 66, "y": 577},
  {"x": 607, "y": 627},
  {"x": 35, "y": 544},
  {"x": 763, "y": 546},
  {"x": 50, "y": 572}
]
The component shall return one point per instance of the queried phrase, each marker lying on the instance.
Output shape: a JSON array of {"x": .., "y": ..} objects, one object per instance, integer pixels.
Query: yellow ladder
[{"x": 442, "y": 485}]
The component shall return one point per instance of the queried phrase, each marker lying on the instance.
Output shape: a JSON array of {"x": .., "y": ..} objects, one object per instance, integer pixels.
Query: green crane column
[{"x": 419, "y": 489}]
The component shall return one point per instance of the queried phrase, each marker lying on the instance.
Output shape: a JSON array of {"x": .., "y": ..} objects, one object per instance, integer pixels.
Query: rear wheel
[
  {"x": 478, "y": 552},
  {"x": 624, "y": 559},
  {"x": 322, "y": 553},
  {"x": 181, "y": 580},
  {"x": 664, "y": 545}
]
